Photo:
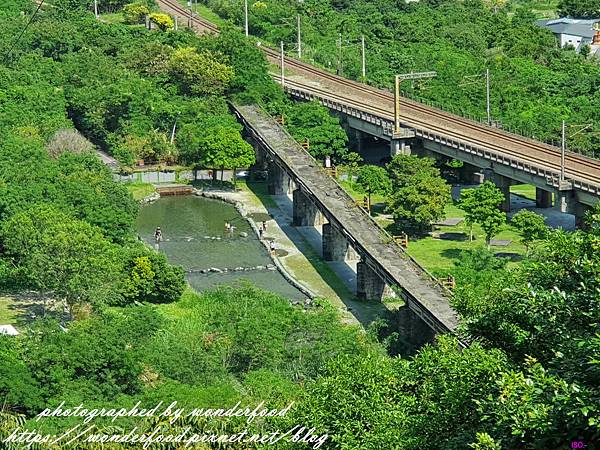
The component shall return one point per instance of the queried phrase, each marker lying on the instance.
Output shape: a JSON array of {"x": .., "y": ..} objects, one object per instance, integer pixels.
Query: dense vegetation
[
  {"x": 530, "y": 378},
  {"x": 535, "y": 85}
]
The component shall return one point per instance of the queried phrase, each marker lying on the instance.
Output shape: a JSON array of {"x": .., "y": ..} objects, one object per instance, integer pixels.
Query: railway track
[
  {"x": 381, "y": 103},
  {"x": 576, "y": 168}
]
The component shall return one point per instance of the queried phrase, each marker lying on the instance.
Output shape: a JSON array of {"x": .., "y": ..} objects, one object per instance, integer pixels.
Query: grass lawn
[
  {"x": 19, "y": 309},
  {"x": 140, "y": 190},
  {"x": 438, "y": 255},
  {"x": 113, "y": 18},
  {"x": 524, "y": 190},
  {"x": 8, "y": 312},
  {"x": 205, "y": 12},
  {"x": 259, "y": 189}
]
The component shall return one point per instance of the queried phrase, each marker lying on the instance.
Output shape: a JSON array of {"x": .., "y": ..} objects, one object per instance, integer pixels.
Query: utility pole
[
  {"x": 563, "y": 147},
  {"x": 364, "y": 58},
  {"x": 397, "y": 105},
  {"x": 487, "y": 96},
  {"x": 299, "y": 38},
  {"x": 282, "y": 63},
  {"x": 96, "y": 9},
  {"x": 176, "y": 24},
  {"x": 245, "y": 17},
  {"x": 400, "y": 78},
  {"x": 173, "y": 131},
  {"x": 339, "y": 69}
]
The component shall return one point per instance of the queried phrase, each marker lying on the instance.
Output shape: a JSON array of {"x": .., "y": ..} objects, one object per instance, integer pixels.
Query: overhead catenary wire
[{"x": 14, "y": 44}]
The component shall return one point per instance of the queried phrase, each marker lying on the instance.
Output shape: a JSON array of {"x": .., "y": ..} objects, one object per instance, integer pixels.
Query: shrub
[
  {"x": 163, "y": 21},
  {"x": 135, "y": 13}
]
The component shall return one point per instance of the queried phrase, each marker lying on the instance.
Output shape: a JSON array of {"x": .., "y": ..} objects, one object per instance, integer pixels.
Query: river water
[{"x": 194, "y": 237}]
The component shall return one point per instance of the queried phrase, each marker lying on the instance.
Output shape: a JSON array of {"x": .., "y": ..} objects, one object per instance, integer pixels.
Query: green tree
[
  {"x": 18, "y": 388},
  {"x": 419, "y": 194},
  {"x": 312, "y": 122},
  {"x": 580, "y": 9},
  {"x": 199, "y": 72},
  {"x": 481, "y": 206},
  {"x": 148, "y": 277},
  {"x": 374, "y": 180},
  {"x": 59, "y": 256},
  {"x": 135, "y": 13},
  {"x": 531, "y": 226},
  {"x": 223, "y": 148},
  {"x": 353, "y": 161}
]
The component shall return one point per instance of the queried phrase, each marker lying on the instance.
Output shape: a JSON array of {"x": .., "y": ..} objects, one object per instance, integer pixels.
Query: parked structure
[{"x": 575, "y": 32}]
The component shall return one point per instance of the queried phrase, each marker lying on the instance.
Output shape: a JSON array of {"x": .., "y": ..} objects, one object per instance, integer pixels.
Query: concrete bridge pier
[
  {"x": 469, "y": 174},
  {"x": 305, "y": 212},
  {"x": 399, "y": 147},
  {"x": 503, "y": 183},
  {"x": 359, "y": 139},
  {"x": 412, "y": 328},
  {"x": 566, "y": 202},
  {"x": 335, "y": 245},
  {"x": 278, "y": 181},
  {"x": 579, "y": 211},
  {"x": 369, "y": 285},
  {"x": 543, "y": 199},
  {"x": 262, "y": 158}
]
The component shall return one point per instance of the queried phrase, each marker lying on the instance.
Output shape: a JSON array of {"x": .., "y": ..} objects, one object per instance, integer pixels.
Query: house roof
[{"x": 574, "y": 27}]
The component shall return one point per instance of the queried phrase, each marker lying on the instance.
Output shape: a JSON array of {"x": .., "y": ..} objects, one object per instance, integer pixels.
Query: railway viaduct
[
  {"x": 494, "y": 154},
  {"x": 487, "y": 153},
  {"x": 384, "y": 269}
]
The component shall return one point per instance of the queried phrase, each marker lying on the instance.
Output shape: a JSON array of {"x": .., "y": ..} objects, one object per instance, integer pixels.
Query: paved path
[
  {"x": 111, "y": 162},
  {"x": 300, "y": 257}
]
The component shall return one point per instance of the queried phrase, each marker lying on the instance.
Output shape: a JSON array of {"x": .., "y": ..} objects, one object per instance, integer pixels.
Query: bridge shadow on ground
[{"x": 339, "y": 276}]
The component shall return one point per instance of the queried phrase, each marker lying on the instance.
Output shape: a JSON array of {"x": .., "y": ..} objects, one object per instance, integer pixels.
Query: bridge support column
[
  {"x": 399, "y": 147},
  {"x": 278, "y": 180},
  {"x": 503, "y": 183},
  {"x": 360, "y": 140},
  {"x": 469, "y": 174},
  {"x": 543, "y": 199},
  {"x": 369, "y": 285},
  {"x": 335, "y": 245},
  {"x": 306, "y": 213},
  {"x": 262, "y": 159},
  {"x": 579, "y": 210},
  {"x": 412, "y": 328},
  {"x": 566, "y": 202}
]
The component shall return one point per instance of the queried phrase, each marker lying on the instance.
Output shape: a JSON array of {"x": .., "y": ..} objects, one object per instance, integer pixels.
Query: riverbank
[{"x": 296, "y": 255}]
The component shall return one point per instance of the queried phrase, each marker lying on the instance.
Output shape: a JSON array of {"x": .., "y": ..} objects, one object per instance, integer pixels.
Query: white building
[{"x": 575, "y": 32}]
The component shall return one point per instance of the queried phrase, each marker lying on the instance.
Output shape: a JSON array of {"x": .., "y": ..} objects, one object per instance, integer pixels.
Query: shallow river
[{"x": 194, "y": 237}]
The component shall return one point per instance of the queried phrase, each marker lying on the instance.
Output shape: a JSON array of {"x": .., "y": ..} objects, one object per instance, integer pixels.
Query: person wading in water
[{"x": 157, "y": 237}]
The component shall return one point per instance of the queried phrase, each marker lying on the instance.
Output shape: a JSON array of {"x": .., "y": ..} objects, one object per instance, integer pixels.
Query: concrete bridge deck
[{"x": 424, "y": 296}]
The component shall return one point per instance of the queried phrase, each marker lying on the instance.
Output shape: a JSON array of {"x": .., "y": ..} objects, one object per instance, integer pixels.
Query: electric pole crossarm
[{"x": 416, "y": 76}]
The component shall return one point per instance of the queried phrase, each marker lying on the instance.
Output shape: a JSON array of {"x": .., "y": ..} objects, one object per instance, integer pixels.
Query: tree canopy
[{"x": 419, "y": 194}]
